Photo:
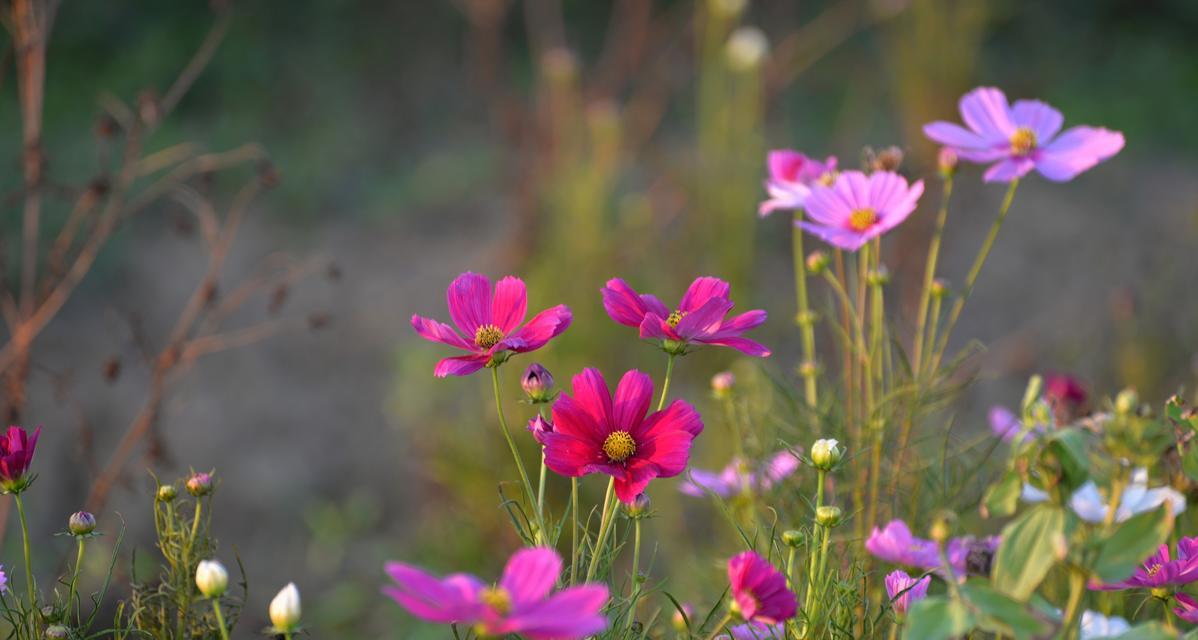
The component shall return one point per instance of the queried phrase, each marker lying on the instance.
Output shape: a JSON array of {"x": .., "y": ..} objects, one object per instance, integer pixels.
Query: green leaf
[
  {"x": 1013, "y": 616},
  {"x": 1069, "y": 447},
  {"x": 1028, "y": 550},
  {"x": 1126, "y": 547},
  {"x": 937, "y": 619},
  {"x": 1189, "y": 461},
  {"x": 1002, "y": 498},
  {"x": 1150, "y": 631}
]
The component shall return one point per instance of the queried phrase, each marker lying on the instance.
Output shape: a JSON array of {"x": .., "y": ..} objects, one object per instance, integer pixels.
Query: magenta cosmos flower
[
  {"x": 16, "y": 453},
  {"x": 759, "y": 592},
  {"x": 1159, "y": 570},
  {"x": 520, "y": 603},
  {"x": 698, "y": 319},
  {"x": 792, "y": 175},
  {"x": 894, "y": 543},
  {"x": 1020, "y": 137},
  {"x": 756, "y": 631},
  {"x": 1187, "y": 608},
  {"x": 904, "y": 590},
  {"x": 490, "y": 323},
  {"x": 594, "y": 433},
  {"x": 857, "y": 208},
  {"x": 740, "y": 477}
]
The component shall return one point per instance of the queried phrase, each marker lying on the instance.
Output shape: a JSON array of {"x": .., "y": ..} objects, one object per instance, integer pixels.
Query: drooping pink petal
[
  {"x": 633, "y": 395},
  {"x": 741, "y": 323},
  {"x": 571, "y": 614},
  {"x": 1077, "y": 150},
  {"x": 469, "y": 300},
  {"x": 743, "y": 345},
  {"x": 434, "y": 331},
  {"x": 1042, "y": 119},
  {"x": 702, "y": 290},
  {"x": 837, "y": 237},
  {"x": 461, "y": 365},
  {"x": 954, "y": 135},
  {"x": 705, "y": 320},
  {"x": 985, "y": 110},
  {"x": 1008, "y": 169},
  {"x": 510, "y": 305},
  {"x": 655, "y": 327},
  {"x": 665, "y": 437},
  {"x": 451, "y": 600},
  {"x": 543, "y": 327},
  {"x": 638, "y": 473},
  {"x": 570, "y": 455},
  {"x": 623, "y": 303},
  {"x": 530, "y": 575}
]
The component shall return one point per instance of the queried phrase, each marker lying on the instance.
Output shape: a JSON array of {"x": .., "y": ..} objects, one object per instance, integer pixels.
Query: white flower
[
  {"x": 1090, "y": 505},
  {"x": 285, "y": 608},
  {"x": 211, "y": 578},
  {"x": 825, "y": 454},
  {"x": 746, "y": 48},
  {"x": 1095, "y": 626}
]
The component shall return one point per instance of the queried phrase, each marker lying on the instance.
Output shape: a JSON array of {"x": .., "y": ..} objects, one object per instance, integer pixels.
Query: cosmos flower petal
[
  {"x": 743, "y": 345},
  {"x": 985, "y": 110},
  {"x": 543, "y": 327},
  {"x": 469, "y": 300},
  {"x": 460, "y": 365},
  {"x": 1077, "y": 150},
  {"x": 837, "y": 237},
  {"x": 1042, "y": 119},
  {"x": 700, "y": 481},
  {"x": 510, "y": 305},
  {"x": 954, "y": 136},
  {"x": 570, "y": 614},
  {"x": 434, "y": 331},
  {"x": 424, "y": 596},
  {"x": 704, "y": 321},
  {"x": 622, "y": 303},
  {"x": 654, "y": 327},
  {"x": 633, "y": 395},
  {"x": 701, "y": 291},
  {"x": 592, "y": 395},
  {"x": 530, "y": 575},
  {"x": 1008, "y": 169}
]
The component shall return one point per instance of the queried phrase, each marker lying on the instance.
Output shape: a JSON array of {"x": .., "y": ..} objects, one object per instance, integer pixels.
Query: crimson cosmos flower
[
  {"x": 491, "y": 324},
  {"x": 699, "y": 317},
  {"x": 759, "y": 592},
  {"x": 592, "y": 433},
  {"x": 1159, "y": 570},
  {"x": 16, "y": 452}
]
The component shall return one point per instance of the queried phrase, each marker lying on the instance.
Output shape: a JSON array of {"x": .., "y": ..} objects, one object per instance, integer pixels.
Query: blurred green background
[{"x": 569, "y": 142}]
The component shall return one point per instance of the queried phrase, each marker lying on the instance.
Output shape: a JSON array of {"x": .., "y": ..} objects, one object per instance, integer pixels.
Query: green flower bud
[
  {"x": 817, "y": 261},
  {"x": 81, "y": 523},
  {"x": 828, "y": 516},
  {"x": 826, "y": 454},
  {"x": 794, "y": 538},
  {"x": 166, "y": 493}
]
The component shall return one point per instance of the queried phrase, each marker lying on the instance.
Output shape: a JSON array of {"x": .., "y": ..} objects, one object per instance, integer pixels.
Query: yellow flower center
[
  {"x": 675, "y": 318},
  {"x": 862, "y": 219},
  {"x": 1023, "y": 141},
  {"x": 498, "y": 599},
  {"x": 826, "y": 179},
  {"x": 619, "y": 446},
  {"x": 1153, "y": 570},
  {"x": 487, "y": 336}
]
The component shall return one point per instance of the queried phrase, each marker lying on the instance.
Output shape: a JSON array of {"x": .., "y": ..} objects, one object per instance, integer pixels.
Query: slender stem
[
  {"x": 972, "y": 276},
  {"x": 604, "y": 528},
  {"x": 29, "y": 582},
  {"x": 541, "y": 536},
  {"x": 1117, "y": 486},
  {"x": 75, "y": 575},
  {"x": 636, "y": 570},
  {"x": 286, "y": 635},
  {"x": 541, "y": 490},
  {"x": 220, "y": 619},
  {"x": 719, "y": 626},
  {"x": 894, "y": 631},
  {"x": 665, "y": 385},
  {"x": 738, "y": 447},
  {"x": 1077, "y": 588},
  {"x": 813, "y": 561},
  {"x": 790, "y": 568},
  {"x": 877, "y": 325},
  {"x": 574, "y": 531},
  {"x": 929, "y": 276},
  {"x": 804, "y": 318}
]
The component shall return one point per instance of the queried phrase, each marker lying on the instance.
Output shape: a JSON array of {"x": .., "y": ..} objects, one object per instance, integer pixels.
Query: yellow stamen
[
  {"x": 619, "y": 446},
  {"x": 675, "y": 318},
  {"x": 497, "y": 598},
  {"x": 827, "y": 179},
  {"x": 862, "y": 219},
  {"x": 487, "y": 336},
  {"x": 1023, "y": 141}
]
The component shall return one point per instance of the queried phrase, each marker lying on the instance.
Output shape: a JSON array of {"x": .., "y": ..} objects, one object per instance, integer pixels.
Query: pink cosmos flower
[
  {"x": 1066, "y": 396},
  {"x": 594, "y": 433},
  {"x": 16, "y": 454},
  {"x": 520, "y": 603},
  {"x": 1020, "y": 137},
  {"x": 895, "y": 543},
  {"x": 857, "y": 208},
  {"x": 755, "y": 631},
  {"x": 698, "y": 319},
  {"x": 739, "y": 477},
  {"x": 1187, "y": 608},
  {"x": 759, "y": 592},
  {"x": 904, "y": 590},
  {"x": 538, "y": 427},
  {"x": 490, "y": 323},
  {"x": 792, "y": 175},
  {"x": 1159, "y": 570}
]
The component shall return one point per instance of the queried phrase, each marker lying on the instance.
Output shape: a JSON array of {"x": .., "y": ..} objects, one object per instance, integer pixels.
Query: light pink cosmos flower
[
  {"x": 904, "y": 590},
  {"x": 594, "y": 433},
  {"x": 755, "y": 631},
  {"x": 1020, "y": 137},
  {"x": 698, "y": 319},
  {"x": 792, "y": 175},
  {"x": 1187, "y": 607},
  {"x": 895, "y": 543},
  {"x": 759, "y": 592},
  {"x": 490, "y": 323},
  {"x": 739, "y": 477},
  {"x": 857, "y": 208},
  {"x": 520, "y": 603}
]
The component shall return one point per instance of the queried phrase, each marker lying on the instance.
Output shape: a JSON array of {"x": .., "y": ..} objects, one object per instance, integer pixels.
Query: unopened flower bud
[
  {"x": 199, "y": 484},
  {"x": 57, "y": 632},
  {"x": 808, "y": 368},
  {"x": 806, "y": 318},
  {"x": 682, "y": 618},
  {"x": 939, "y": 288},
  {"x": 942, "y": 526},
  {"x": 539, "y": 427},
  {"x": 793, "y": 538},
  {"x": 167, "y": 492},
  {"x": 879, "y": 277},
  {"x": 537, "y": 383},
  {"x": 946, "y": 162},
  {"x": 211, "y": 578},
  {"x": 817, "y": 261},
  {"x": 826, "y": 454},
  {"x": 888, "y": 159},
  {"x": 639, "y": 506},
  {"x": 285, "y": 609},
  {"x": 746, "y": 48},
  {"x": 828, "y": 516},
  {"x": 722, "y": 384},
  {"x": 1127, "y": 402},
  {"x": 81, "y": 523}
]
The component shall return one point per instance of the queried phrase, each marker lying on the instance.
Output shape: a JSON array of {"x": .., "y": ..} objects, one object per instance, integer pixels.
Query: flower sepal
[
  {"x": 17, "y": 486},
  {"x": 674, "y": 347}
]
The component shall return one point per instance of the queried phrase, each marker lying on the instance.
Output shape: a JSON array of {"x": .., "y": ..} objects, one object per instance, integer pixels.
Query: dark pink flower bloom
[
  {"x": 905, "y": 590},
  {"x": 739, "y": 477},
  {"x": 792, "y": 175},
  {"x": 520, "y": 603},
  {"x": 491, "y": 324},
  {"x": 16, "y": 453},
  {"x": 759, "y": 592},
  {"x": 698, "y": 319},
  {"x": 756, "y": 631},
  {"x": 1187, "y": 608},
  {"x": 1159, "y": 570},
  {"x": 857, "y": 208},
  {"x": 1020, "y": 137},
  {"x": 1066, "y": 396},
  {"x": 592, "y": 433}
]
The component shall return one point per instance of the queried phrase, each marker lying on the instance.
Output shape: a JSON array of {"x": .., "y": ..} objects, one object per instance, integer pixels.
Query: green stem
[
  {"x": 541, "y": 490},
  {"x": 719, "y": 626},
  {"x": 929, "y": 276},
  {"x": 1077, "y": 588},
  {"x": 220, "y": 619},
  {"x": 813, "y": 561},
  {"x": 972, "y": 276},
  {"x": 604, "y": 528},
  {"x": 805, "y": 320},
  {"x": 29, "y": 582},
  {"x": 187, "y": 569},
  {"x": 877, "y": 324},
  {"x": 894, "y": 631},
  {"x": 665, "y": 385},
  {"x": 790, "y": 568},
  {"x": 574, "y": 531},
  {"x": 636, "y": 570},
  {"x": 541, "y": 536},
  {"x": 75, "y": 575}
]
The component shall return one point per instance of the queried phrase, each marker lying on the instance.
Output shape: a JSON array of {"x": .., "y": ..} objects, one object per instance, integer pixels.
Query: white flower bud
[
  {"x": 211, "y": 578},
  {"x": 747, "y": 48},
  {"x": 285, "y": 609},
  {"x": 825, "y": 454}
]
